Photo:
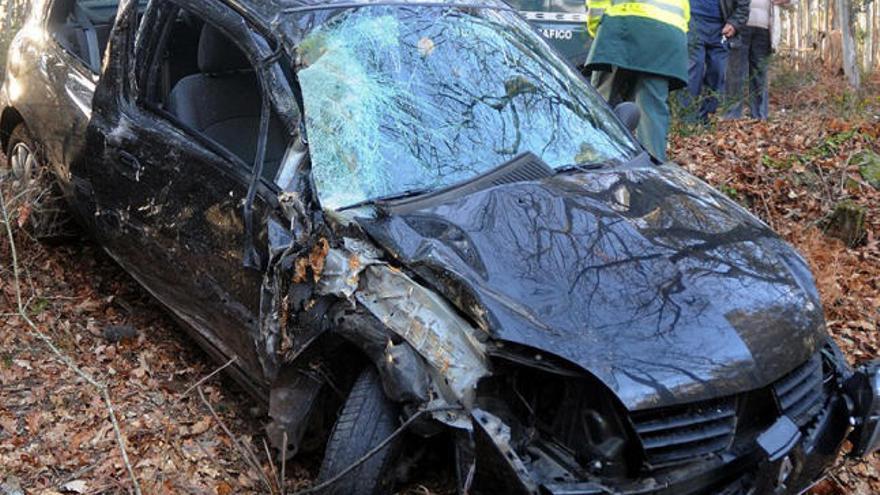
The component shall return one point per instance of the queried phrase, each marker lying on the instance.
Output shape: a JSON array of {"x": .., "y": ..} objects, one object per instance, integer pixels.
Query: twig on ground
[
  {"x": 256, "y": 462},
  {"x": 101, "y": 387},
  {"x": 769, "y": 216},
  {"x": 76, "y": 475},
  {"x": 238, "y": 446},
  {"x": 272, "y": 467},
  {"x": 208, "y": 377},
  {"x": 283, "y": 461}
]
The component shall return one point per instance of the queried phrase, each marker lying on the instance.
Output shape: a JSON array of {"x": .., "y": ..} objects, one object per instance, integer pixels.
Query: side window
[
  {"x": 82, "y": 27},
  {"x": 207, "y": 86}
]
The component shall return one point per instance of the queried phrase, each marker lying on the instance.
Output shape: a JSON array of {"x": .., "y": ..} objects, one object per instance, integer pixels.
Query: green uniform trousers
[{"x": 650, "y": 93}]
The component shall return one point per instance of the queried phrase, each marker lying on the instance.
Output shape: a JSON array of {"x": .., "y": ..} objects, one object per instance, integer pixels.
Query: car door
[
  {"x": 168, "y": 199},
  {"x": 54, "y": 86}
]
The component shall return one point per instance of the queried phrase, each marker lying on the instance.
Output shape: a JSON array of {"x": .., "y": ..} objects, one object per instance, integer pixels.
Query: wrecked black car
[{"x": 404, "y": 219}]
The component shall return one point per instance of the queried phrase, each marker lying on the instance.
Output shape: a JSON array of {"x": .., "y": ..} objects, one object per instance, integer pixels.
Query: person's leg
[
  {"x": 601, "y": 80},
  {"x": 716, "y": 69},
  {"x": 688, "y": 98},
  {"x": 607, "y": 84},
  {"x": 651, "y": 94},
  {"x": 759, "y": 61},
  {"x": 737, "y": 74},
  {"x": 615, "y": 86}
]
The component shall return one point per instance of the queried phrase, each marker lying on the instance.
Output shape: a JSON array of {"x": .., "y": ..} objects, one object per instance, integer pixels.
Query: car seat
[{"x": 223, "y": 101}]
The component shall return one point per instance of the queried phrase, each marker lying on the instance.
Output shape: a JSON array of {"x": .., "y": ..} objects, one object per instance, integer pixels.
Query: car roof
[
  {"x": 311, "y": 4},
  {"x": 272, "y": 8},
  {"x": 291, "y": 20}
]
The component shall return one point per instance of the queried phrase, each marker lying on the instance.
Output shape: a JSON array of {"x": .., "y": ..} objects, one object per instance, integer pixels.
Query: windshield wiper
[
  {"x": 407, "y": 193},
  {"x": 640, "y": 159},
  {"x": 583, "y": 167}
]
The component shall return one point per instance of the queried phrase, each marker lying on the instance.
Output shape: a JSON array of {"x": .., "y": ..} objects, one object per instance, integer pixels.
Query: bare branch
[
  {"x": 272, "y": 466},
  {"x": 101, "y": 387},
  {"x": 238, "y": 446},
  {"x": 208, "y": 377}
]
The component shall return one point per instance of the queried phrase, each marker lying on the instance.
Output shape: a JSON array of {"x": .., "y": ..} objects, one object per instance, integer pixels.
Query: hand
[{"x": 728, "y": 30}]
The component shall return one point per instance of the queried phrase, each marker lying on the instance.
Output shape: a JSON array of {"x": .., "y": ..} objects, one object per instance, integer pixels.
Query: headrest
[{"x": 218, "y": 54}]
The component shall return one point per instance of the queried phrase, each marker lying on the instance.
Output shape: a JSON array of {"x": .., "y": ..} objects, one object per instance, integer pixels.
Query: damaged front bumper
[
  {"x": 432, "y": 357},
  {"x": 864, "y": 389},
  {"x": 786, "y": 457}
]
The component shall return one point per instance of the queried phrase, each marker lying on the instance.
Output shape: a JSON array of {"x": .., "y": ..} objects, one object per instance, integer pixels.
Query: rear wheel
[
  {"x": 38, "y": 201},
  {"x": 367, "y": 419}
]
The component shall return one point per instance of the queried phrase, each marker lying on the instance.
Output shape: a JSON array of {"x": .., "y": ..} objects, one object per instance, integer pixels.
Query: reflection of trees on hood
[
  {"x": 637, "y": 274},
  {"x": 580, "y": 248}
]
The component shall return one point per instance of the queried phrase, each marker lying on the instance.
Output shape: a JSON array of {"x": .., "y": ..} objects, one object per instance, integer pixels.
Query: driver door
[{"x": 174, "y": 165}]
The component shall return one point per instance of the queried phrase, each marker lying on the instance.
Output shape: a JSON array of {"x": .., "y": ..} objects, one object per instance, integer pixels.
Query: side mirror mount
[{"x": 628, "y": 113}]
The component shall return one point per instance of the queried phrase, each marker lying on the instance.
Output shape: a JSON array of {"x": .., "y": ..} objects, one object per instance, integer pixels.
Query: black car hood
[{"x": 662, "y": 288}]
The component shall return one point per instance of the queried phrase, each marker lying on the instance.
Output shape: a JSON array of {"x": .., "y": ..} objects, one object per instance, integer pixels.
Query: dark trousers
[
  {"x": 650, "y": 93},
  {"x": 707, "y": 69},
  {"x": 749, "y": 58}
]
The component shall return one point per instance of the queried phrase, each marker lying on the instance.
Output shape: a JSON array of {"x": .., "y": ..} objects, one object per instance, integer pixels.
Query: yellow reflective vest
[{"x": 676, "y": 13}]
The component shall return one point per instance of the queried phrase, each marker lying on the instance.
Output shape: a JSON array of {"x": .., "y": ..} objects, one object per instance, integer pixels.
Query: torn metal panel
[
  {"x": 290, "y": 403},
  {"x": 429, "y": 324},
  {"x": 341, "y": 274},
  {"x": 404, "y": 373},
  {"x": 418, "y": 315},
  {"x": 496, "y": 454}
]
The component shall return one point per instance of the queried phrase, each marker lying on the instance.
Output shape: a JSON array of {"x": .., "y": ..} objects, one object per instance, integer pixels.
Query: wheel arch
[{"x": 8, "y": 122}]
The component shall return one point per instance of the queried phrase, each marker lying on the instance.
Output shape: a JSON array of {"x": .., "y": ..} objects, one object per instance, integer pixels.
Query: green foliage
[
  {"x": 869, "y": 166},
  {"x": 785, "y": 78},
  {"x": 38, "y": 306},
  {"x": 683, "y": 121},
  {"x": 769, "y": 161},
  {"x": 825, "y": 149},
  {"x": 729, "y": 191},
  {"x": 849, "y": 105}
]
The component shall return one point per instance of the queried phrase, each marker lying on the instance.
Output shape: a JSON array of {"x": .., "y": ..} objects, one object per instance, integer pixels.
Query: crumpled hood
[{"x": 656, "y": 284}]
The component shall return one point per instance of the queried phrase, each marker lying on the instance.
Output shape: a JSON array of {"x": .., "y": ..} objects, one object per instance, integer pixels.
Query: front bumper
[
  {"x": 794, "y": 464},
  {"x": 864, "y": 389},
  {"x": 782, "y": 459}
]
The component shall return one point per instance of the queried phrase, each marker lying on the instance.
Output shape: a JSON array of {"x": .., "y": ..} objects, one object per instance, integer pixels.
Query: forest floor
[
  {"x": 55, "y": 431},
  {"x": 792, "y": 172}
]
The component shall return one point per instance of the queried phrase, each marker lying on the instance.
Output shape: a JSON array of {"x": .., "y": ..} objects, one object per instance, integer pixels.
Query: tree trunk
[
  {"x": 847, "y": 223},
  {"x": 875, "y": 28},
  {"x": 850, "y": 61}
]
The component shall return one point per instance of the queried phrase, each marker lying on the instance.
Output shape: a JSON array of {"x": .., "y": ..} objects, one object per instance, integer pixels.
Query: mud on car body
[{"x": 404, "y": 220}]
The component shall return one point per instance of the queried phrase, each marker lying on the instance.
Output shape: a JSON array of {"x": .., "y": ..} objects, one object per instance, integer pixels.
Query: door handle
[{"x": 128, "y": 165}]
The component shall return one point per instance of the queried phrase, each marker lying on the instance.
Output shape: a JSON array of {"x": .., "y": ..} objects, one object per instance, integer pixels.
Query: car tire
[
  {"x": 367, "y": 418},
  {"x": 34, "y": 187}
]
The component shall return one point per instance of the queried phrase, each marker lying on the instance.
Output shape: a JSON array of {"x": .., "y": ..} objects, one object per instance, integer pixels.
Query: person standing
[
  {"x": 750, "y": 58},
  {"x": 639, "y": 54},
  {"x": 713, "y": 24}
]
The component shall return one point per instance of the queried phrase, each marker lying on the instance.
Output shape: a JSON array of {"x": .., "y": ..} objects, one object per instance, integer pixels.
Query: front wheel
[
  {"x": 37, "y": 200},
  {"x": 367, "y": 419}
]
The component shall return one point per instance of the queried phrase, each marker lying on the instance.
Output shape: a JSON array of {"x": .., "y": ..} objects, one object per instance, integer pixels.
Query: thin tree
[{"x": 850, "y": 61}]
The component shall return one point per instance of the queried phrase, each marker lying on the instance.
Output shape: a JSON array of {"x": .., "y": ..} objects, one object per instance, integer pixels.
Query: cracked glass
[{"x": 401, "y": 99}]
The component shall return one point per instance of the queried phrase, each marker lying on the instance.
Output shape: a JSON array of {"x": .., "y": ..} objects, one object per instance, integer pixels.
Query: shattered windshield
[{"x": 407, "y": 98}]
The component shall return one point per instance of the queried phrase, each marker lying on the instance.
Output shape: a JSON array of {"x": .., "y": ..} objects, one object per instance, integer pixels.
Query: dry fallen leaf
[{"x": 75, "y": 486}]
